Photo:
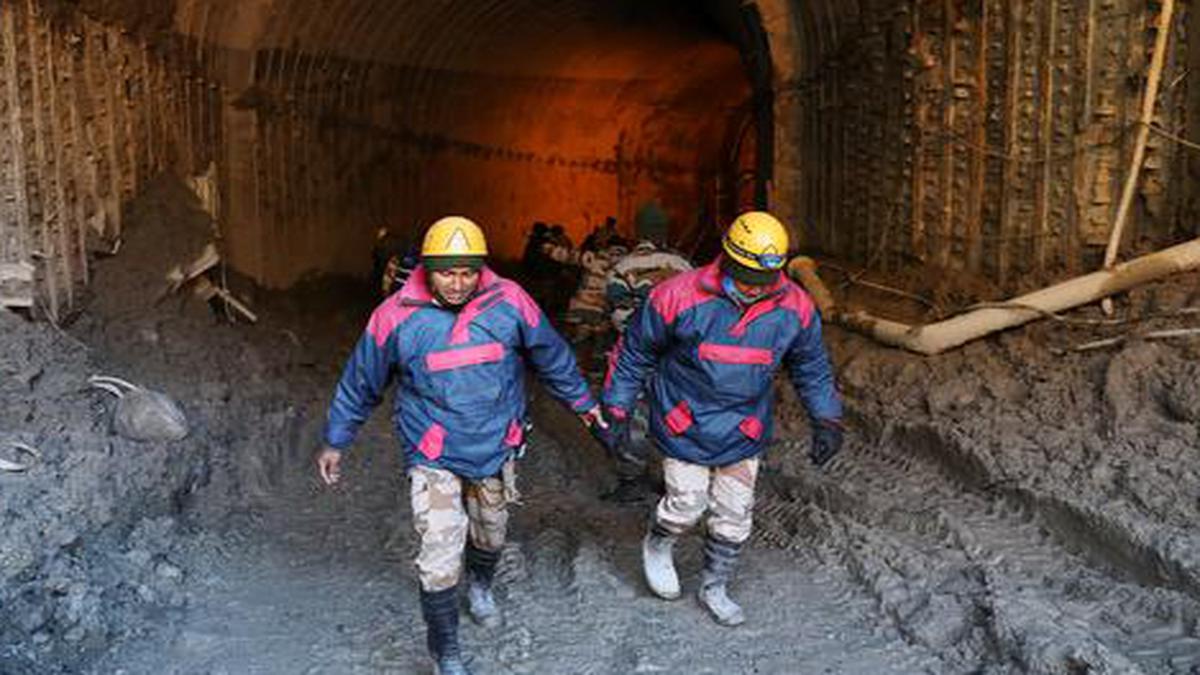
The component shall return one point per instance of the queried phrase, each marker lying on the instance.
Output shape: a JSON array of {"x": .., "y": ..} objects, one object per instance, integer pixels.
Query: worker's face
[
  {"x": 455, "y": 285},
  {"x": 750, "y": 291}
]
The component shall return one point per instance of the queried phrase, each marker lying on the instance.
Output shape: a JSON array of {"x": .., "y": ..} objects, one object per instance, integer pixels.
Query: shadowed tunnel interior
[
  {"x": 391, "y": 114},
  {"x": 985, "y": 138}
]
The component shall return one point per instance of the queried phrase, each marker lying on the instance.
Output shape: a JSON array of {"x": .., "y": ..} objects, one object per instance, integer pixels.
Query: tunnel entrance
[{"x": 553, "y": 116}]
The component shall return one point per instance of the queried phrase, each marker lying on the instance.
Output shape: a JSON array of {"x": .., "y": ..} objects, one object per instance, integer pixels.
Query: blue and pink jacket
[
  {"x": 711, "y": 364},
  {"x": 461, "y": 399}
]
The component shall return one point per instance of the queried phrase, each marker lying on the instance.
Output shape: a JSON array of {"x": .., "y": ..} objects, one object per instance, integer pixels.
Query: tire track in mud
[
  {"x": 979, "y": 576},
  {"x": 578, "y": 559}
]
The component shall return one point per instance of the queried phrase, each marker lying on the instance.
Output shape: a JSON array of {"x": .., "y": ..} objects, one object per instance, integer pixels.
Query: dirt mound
[
  {"x": 1013, "y": 502},
  {"x": 71, "y": 574}
]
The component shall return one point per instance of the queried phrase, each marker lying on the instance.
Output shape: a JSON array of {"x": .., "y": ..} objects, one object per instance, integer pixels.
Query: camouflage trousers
[
  {"x": 726, "y": 493},
  {"x": 446, "y": 510}
]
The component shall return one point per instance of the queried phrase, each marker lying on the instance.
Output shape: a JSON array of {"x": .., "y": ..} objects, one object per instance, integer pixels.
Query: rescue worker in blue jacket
[
  {"x": 710, "y": 341},
  {"x": 456, "y": 338}
]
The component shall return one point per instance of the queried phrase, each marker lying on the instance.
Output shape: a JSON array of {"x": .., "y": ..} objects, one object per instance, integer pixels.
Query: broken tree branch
[
  {"x": 1151, "y": 335},
  {"x": 1149, "y": 97},
  {"x": 938, "y": 337}
]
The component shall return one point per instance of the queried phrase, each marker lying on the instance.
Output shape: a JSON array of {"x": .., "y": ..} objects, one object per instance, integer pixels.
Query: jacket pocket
[
  {"x": 433, "y": 442},
  {"x": 679, "y": 419},
  {"x": 752, "y": 427}
]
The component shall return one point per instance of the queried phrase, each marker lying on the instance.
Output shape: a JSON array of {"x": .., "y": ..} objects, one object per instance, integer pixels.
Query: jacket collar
[
  {"x": 709, "y": 281},
  {"x": 416, "y": 290}
]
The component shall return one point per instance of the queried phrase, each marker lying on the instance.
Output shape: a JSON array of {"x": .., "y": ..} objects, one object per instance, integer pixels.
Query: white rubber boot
[
  {"x": 658, "y": 563},
  {"x": 720, "y": 557}
]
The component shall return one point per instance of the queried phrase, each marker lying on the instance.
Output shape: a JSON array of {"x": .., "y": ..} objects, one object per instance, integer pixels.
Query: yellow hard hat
[
  {"x": 453, "y": 241},
  {"x": 757, "y": 241}
]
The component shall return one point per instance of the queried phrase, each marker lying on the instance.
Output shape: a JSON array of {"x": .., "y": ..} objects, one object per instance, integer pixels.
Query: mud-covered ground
[{"x": 1009, "y": 507}]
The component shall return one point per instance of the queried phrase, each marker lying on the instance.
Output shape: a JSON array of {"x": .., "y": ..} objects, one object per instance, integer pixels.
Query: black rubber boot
[
  {"x": 632, "y": 486},
  {"x": 720, "y": 559},
  {"x": 440, "y": 609},
  {"x": 481, "y": 570}
]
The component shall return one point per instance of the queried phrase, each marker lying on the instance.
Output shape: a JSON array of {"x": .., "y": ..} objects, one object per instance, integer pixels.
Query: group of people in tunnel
[{"x": 696, "y": 349}]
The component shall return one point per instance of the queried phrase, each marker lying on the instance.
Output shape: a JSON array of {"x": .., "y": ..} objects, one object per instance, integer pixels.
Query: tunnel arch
[
  {"x": 984, "y": 138},
  {"x": 361, "y": 114}
]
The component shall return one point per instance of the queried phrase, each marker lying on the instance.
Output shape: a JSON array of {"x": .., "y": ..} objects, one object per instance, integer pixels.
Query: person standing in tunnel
[
  {"x": 626, "y": 289},
  {"x": 711, "y": 341},
  {"x": 457, "y": 338}
]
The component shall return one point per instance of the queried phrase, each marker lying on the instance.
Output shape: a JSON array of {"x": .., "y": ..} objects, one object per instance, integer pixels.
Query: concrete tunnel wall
[{"x": 988, "y": 137}]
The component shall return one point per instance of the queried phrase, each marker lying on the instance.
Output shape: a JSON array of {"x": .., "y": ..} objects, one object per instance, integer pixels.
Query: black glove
[
  {"x": 826, "y": 441},
  {"x": 616, "y": 438}
]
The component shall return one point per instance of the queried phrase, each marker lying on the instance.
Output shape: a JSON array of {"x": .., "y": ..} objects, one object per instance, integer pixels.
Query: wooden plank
[
  {"x": 60, "y": 137},
  {"x": 1011, "y": 141},
  {"x": 974, "y": 232},
  {"x": 1042, "y": 242},
  {"x": 946, "y": 181},
  {"x": 49, "y": 255},
  {"x": 18, "y": 187},
  {"x": 85, "y": 161},
  {"x": 17, "y": 285},
  {"x": 102, "y": 95},
  {"x": 127, "y": 142},
  {"x": 917, "y": 240}
]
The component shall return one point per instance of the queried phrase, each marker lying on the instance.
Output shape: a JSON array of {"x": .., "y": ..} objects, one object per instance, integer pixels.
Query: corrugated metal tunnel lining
[
  {"x": 368, "y": 114},
  {"x": 984, "y": 138}
]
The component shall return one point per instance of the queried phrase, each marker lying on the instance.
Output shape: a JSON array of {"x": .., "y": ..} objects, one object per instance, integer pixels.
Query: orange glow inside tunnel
[{"x": 574, "y": 127}]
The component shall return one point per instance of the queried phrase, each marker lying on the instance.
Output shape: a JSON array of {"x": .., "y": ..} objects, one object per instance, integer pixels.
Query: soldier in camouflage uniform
[
  {"x": 634, "y": 274},
  {"x": 586, "y": 321},
  {"x": 627, "y": 287},
  {"x": 457, "y": 338}
]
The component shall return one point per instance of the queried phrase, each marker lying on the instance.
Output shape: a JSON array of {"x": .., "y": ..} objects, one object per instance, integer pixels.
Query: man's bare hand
[
  {"x": 329, "y": 466},
  {"x": 594, "y": 418}
]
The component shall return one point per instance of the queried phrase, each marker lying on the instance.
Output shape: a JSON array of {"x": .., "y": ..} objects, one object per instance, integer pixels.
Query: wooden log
[
  {"x": 938, "y": 337},
  {"x": 1153, "y": 78}
]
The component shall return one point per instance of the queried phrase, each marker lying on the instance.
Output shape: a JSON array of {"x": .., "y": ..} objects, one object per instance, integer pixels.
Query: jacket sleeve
[
  {"x": 554, "y": 361},
  {"x": 634, "y": 357},
  {"x": 360, "y": 389},
  {"x": 812, "y": 374},
  {"x": 617, "y": 290}
]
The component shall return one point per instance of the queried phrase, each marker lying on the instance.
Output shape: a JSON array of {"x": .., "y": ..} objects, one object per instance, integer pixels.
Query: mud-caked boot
[
  {"x": 658, "y": 562},
  {"x": 440, "y": 609},
  {"x": 720, "y": 558},
  {"x": 481, "y": 570}
]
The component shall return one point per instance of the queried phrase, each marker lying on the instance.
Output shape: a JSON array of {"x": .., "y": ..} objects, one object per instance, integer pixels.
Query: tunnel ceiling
[
  {"x": 506, "y": 111},
  {"x": 340, "y": 118},
  {"x": 986, "y": 137}
]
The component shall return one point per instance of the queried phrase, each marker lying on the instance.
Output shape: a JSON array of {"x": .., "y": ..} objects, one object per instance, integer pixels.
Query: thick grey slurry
[
  {"x": 322, "y": 583},
  {"x": 881, "y": 565}
]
